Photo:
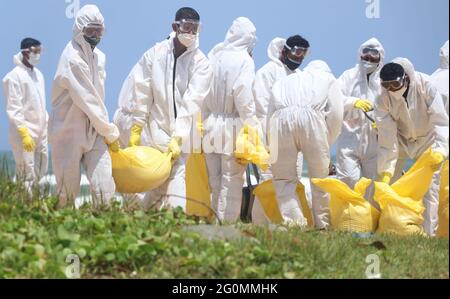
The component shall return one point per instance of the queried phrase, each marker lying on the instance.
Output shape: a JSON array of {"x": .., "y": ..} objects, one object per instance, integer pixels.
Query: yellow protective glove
[
  {"x": 115, "y": 146},
  {"x": 135, "y": 138},
  {"x": 28, "y": 143},
  {"x": 364, "y": 105},
  {"x": 438, "y": 160},
  {"x": 175, "y": 147},
  {"x": 386, "y": 177}
]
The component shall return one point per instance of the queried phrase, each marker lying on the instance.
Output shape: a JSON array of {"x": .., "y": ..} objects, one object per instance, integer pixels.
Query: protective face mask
[
  {"x": 34, "y": 59},
  {"x": 187, "y": 39},
  {"x": 370, "y": 67},
  {"x": 401, "y": 91},
  {"x": 291, "y": 64},
  {"x": 93, "y": 41}
]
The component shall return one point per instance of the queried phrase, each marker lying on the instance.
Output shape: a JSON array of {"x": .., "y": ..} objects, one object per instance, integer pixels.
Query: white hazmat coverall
[
  {"x": 307, "y": 117},
  {"x": 24, "y": 90},
  {"x": 407, "y": 128},
  {"x": 79, "y": 125},
  {"x": 440, "y": 76},
  {"x": 230, "y": 102},
  {"x": 357, "y": 145},
  {"x": 265, "y": 78},
  {"x": 168, "y": 108}
]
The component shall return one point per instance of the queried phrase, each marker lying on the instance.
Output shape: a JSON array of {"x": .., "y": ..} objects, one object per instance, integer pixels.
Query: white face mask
[
  {"x": 34, "y": 59},
  {"x": 187, "y": 39},
  {"x": 370, "y": 67},
  {"x": 401, "y": 91}
]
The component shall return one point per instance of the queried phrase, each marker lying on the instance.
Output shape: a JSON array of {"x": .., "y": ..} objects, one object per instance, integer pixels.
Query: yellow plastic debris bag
[
  {"x": 250, "y": 149},
  {"x": 198, "y": 193},
  {"x": 266, "y": 195},
  {"x": 443, "y": 203},
  {"x": 349, "y": 210},
  {"x": 402, "y": 203},
  {"x": 140, "y": 169}
]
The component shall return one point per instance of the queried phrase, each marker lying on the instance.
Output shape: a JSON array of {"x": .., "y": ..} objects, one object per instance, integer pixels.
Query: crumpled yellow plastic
[
  {"x": 443, "y": 202},
  {"x": 198, "y": 193},
  {"x": 266, "y": 195},
  {"x": 140, "y": 169},
  {"x": 402, "y": 203},
  {"x": 349, "y": 210},
  {"x": 250, "y": 149}
]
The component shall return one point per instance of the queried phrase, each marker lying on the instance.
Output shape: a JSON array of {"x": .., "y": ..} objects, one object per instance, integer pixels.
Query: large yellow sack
[
  {"x": 250, "y": 149},
  {"x": 140, "y": 169},
  {"x": 443, "y": 203},
  {"x": 402, "y": 203},
  {"x": 266, "y": 195},
  {"x": 198, "y": 193},
  {"x": 349, "y": 210}
]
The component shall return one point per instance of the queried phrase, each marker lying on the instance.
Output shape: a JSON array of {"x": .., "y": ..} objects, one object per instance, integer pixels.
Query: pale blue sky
[{"x": 411, "y": 28}]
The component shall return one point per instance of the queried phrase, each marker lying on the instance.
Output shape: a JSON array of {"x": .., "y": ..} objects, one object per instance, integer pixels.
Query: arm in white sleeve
[
  {"x": 242, "y": 92},
  {"x": 85, "y": 96},
  {"x": 345, "y": 82},
  {"x": 198, "y": 89},
  {"x": 141, "y": 77},
  {"x": 439, "y": 121},
  {"x": 387, "y": 136},
  {"x": 14, "y": 106},
  {"x": 262, "y": 92},
  {"x": 334, "y": 112}
]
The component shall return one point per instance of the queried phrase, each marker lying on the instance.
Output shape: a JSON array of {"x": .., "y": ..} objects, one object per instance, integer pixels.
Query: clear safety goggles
[
  {"x": 297, "y": 51},
  {"x": 189, "y": 26},
  {"x": 94, "y": 30},
  {"x": 371, "y": 55},
  {"x": 393, "y": 85},
  {"x": 35, "y": 50}
]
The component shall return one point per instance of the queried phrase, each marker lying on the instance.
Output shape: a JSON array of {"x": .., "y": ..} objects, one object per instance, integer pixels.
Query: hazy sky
[{"x": 411, "y": 28}]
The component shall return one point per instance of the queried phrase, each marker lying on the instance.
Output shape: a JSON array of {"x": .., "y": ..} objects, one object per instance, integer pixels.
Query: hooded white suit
[
  {"x": 230, "y": 103},
  {"x": 407, "y": 128},
  {"x": 79, "y": 125},
  {"x": 265, "y": 78},
  {"x": 357, "y": 144},
  {"x": 168, "y": 108},
  {"x": 307, "y": 117},
  {"x": 440, "y": 76},
  {"x": 24, "y": 90}
]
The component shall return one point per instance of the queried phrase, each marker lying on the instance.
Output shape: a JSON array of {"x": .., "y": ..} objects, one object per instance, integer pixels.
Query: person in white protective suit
[
  {"x": 356, "y": 147},
  {"x": 229, "y": 105},
  {"x": 285, "y": 56},
  {"x": 440, "y": 76},
  {"x": 410, "y": 117},
  {"x": 24, "y": 90},
  {"x": 306, "y": 112},
  {"x": 170, "y": 83},
  {"x": 79, "y": 127}
]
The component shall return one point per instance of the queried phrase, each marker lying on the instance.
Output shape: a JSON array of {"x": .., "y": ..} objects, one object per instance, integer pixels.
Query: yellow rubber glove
[
  {"x": 386, "y": 177},
  {"x": 364, "y": 105},
  {"x": 438, "y": 160},
  {"x": 27, "y": 141},
  {"x": 174, "y": 147},
  {"x": 115, "y": 146},
  {"x": 135, "y": 138}
]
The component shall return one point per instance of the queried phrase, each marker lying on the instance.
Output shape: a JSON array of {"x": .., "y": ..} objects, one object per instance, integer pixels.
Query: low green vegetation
[{"x": 118, "y": 242}]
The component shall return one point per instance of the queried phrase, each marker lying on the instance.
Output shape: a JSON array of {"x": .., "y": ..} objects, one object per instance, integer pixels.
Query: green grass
[{"x": 115, "y": 242}]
